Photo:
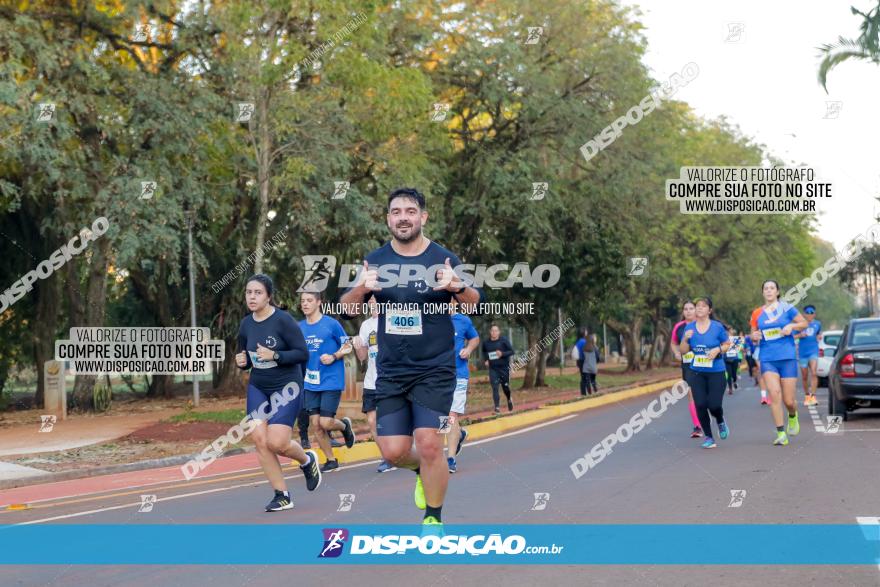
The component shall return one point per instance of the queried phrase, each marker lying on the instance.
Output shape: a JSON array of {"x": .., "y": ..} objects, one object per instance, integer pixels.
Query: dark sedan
[{"x": 854, "y": 378}]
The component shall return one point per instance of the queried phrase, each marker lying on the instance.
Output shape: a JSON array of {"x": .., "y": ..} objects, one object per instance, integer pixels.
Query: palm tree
[{"x": 866, "y": 47}]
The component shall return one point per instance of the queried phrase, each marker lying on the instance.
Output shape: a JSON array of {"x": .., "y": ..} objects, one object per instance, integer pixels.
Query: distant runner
[{"x": 808, "y": 355}]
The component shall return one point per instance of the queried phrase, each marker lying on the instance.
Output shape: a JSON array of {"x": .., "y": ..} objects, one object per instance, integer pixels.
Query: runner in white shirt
[{"x": 366, "y": 347}]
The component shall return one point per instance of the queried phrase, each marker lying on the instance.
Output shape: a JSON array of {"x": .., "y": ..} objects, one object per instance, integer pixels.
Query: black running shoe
[
  {"x": 509, "y": 406},
  {"x": 462, "y": 436},
  {"x": 311, "y": 471},
  {"x": 329, "y": 466},
  {"x": 348, "y": 433},
  {"x": 279, "y": 502}
]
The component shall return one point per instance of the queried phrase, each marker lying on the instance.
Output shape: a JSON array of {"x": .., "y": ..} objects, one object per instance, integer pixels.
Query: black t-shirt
[
  {"x": 404, "y": 352},
  {"x": 280, "y": 333},
  {"x": 503, "y": 349}
]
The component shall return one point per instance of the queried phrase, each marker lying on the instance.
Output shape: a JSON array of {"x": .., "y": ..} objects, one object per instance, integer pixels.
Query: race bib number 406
[{"x": 404, "y": 322}]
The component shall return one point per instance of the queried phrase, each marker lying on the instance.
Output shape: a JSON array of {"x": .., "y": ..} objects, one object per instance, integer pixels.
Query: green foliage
[
  {"x": 357, "y": 109},
  {"x": 231, "y": 416}
]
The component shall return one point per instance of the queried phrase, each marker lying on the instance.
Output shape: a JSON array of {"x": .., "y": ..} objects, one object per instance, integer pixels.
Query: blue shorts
[
  {"x": 398, "y": 416},
  {"x": 785, "y": 368},
  {"x": 369, "y": 401},
  {"x": 420, "y": 402},
  {"x": 804, "y": 362},
  {"x": 259, "y": 404},
  {"x": 324, "y": 403}
]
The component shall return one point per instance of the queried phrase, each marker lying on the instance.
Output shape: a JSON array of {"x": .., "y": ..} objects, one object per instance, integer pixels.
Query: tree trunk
[
  {"x": 161, "y": 386},
  {"x": 44, "y": 329},
  {"x": 532, "y": 337},
  {"x": 263, "y": 162},
  {"x": 229, "y": 378},
  {"x": 96, "y": 294},
  {"x": 542, "y": 358},
  {"x": 666, "y": 357},
  {"x": 631, "y": 339}
]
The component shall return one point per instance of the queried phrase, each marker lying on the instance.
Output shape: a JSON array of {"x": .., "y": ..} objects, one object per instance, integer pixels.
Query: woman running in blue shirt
[
  {"x": 708, "y": 340},
  {"x": 776, "y": 325}
]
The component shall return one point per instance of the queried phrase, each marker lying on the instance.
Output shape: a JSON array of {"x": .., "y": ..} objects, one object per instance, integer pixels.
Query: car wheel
[{"x": 839, "y": 407}]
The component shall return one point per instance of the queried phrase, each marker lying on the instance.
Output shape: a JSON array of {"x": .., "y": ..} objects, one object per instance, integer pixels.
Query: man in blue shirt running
[
  {"x": 325, "y": 375},
  {"x": 808, "y": 355}
]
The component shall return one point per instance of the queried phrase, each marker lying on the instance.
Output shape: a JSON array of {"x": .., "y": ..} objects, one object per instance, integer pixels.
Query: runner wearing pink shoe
[{"x": 687, "y": 313}]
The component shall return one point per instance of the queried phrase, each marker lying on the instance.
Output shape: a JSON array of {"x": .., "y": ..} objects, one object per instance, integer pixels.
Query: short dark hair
[
  {"x": 315, "y": 294},
  {"x": 411, "y": 193}
]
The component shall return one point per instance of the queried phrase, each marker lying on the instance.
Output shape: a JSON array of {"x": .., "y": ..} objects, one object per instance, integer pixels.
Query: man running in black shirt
[
  {"x": 498, "y": 351},
  {"x": 416, "y": 361}
]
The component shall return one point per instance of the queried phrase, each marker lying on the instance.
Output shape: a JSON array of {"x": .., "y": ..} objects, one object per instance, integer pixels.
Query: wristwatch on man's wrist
[{"x": 275, "y": 356}]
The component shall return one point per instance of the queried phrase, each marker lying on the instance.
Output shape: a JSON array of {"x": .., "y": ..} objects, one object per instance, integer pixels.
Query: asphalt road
[{"x": 659, "y": 476}]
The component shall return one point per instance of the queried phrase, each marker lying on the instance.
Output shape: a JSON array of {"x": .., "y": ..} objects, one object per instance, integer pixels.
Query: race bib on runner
[
  {"x": 687, "y": 357},
  {"x": 494, "y": 355},
  {"x": 809, "y": 332},
  {"x": 260, "y": 364},
  {"x": 733, "y": 353},
  {"x": 702, "y": 361},
  {"x": 403, "y": 322},
  {"x": 313, "y": 377},
  {"x": 772, "y": 333}
]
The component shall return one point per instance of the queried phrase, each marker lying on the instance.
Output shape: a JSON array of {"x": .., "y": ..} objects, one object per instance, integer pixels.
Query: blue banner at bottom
[{"x": 262, "y": 544}]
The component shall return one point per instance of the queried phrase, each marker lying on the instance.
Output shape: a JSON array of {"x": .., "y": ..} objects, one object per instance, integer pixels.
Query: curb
[
  {"x": 364, "y": 451},
  {"x": 110, "y": 469}
]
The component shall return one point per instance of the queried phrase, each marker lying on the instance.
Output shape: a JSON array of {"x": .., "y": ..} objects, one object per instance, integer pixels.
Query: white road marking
[
  {"x": 257, "y": 482},
  {"x": 817, "y": 419}
]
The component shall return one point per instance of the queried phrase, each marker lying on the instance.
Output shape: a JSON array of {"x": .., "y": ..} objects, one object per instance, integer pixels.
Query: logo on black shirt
[{"x": 271, "y": 343}]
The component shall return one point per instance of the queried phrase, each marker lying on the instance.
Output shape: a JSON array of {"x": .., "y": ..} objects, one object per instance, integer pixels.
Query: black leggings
[
  {"x": 732, "y": 369},
  {"x": 750, "y": 360},
  {"x": 708, "y": 391},
  {"x": 588, "y": 383},
  {"x": 496, "y": 377},
  {"x": 303, "y": 421}
]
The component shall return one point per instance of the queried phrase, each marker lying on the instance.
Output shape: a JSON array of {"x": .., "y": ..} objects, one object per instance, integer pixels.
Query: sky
[{"x": 765, "y": 81}]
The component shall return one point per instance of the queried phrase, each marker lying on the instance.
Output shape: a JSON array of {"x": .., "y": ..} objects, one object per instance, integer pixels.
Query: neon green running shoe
[
  {"x": 793, "y": 426},
  {"x": 781, "y": 439},
  {"x": 431, "y": 526},
  {"x": 419, "y": 494}
]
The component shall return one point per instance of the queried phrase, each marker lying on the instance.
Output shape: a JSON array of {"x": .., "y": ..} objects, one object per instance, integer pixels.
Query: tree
[{"x": 866, "y": 47}]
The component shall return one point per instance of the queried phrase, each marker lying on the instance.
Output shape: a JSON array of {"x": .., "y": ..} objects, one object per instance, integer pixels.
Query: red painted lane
[{"x": 120, "y": 481}]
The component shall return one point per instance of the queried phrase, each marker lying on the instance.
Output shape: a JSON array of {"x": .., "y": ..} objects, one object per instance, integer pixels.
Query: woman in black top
[{"x": 272, "y": 346}]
